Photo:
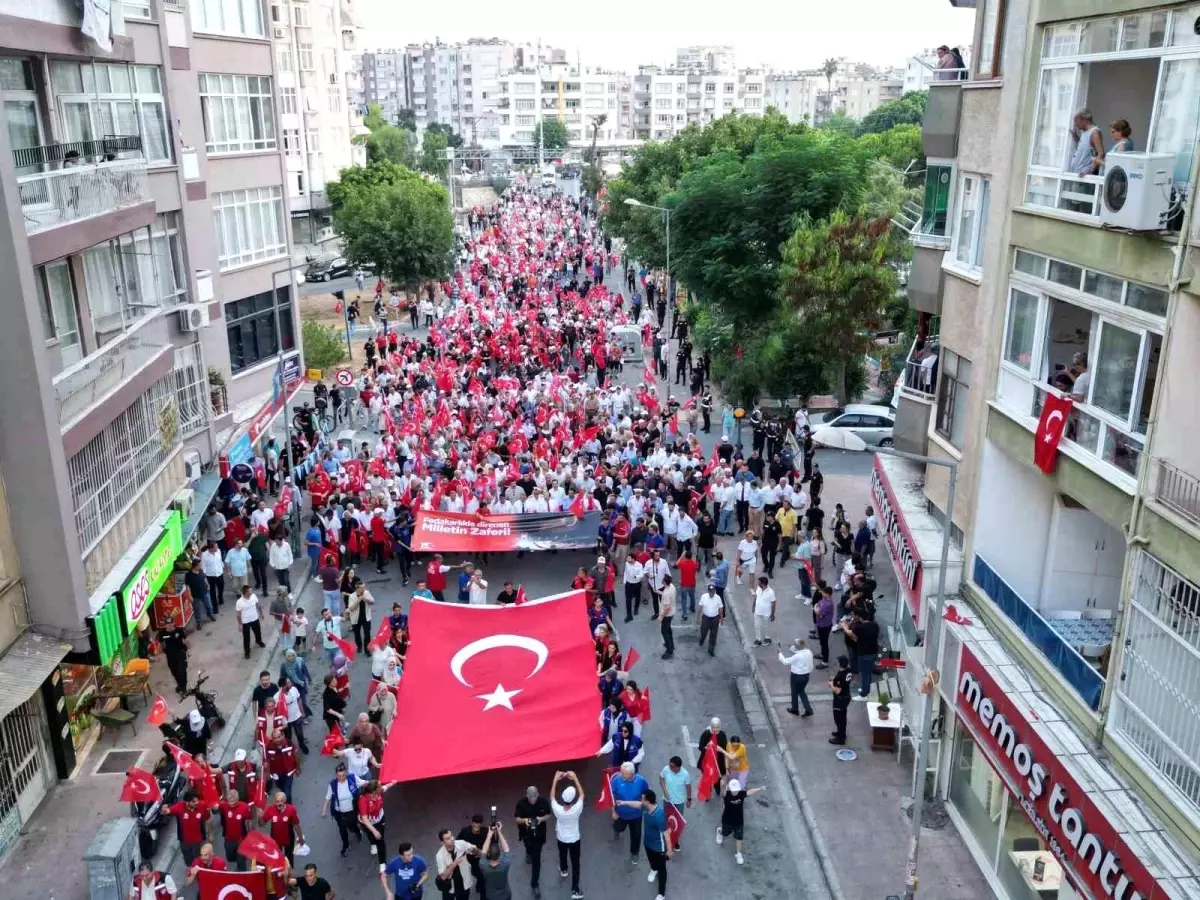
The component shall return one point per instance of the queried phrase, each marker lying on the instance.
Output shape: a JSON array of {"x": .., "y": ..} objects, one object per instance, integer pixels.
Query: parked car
[
  {"x": 327, "y": 269},
  {"x": 871, "y": 423}
]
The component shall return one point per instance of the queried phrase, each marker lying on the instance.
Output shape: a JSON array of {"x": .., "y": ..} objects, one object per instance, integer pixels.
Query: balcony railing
[
  {"x": 108, "y": 147},
  {"x": 1065, "y": 192},
  {"x": 90, "y": 380},
  {"x": 72, "y": 194},
  {"x": 1177, "y": 489}
]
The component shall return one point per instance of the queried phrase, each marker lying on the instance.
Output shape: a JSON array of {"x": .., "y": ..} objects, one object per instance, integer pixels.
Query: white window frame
[
  {"x": 334, "y": 96},
  {"x": 291, "y": 142},
  {"x": 289, "y": 103},
  {"x": 304, "y": 58},
  {"x": 969, "y": 183},
  {"x": 229, "y": 104},
  {"x": 243, "y": 18},
  {"x": 142, "y": 103},
  {"x": 251, "y": 226},
  {"x": 284, "y": 58},
  {"x": 312, "y": 140},
  {"x": 300, "y": 16},
  {"x": 65, "y": 334}
]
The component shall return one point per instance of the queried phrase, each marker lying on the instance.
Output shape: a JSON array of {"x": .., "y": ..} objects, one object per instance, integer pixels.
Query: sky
[{"x": 621, "y": 34}]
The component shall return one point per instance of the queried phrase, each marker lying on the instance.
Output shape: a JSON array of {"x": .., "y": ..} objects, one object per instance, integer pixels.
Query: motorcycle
[
  {"x": 206, "y": 702},
  {"x": 151, "y": 817}
]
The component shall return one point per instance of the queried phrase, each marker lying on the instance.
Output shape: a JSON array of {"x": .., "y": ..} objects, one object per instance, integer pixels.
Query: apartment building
[
  {"x": 665, "y": 101},
  {"x": 384, "y": 80},
  {"x": 481, "y": 65},
  {"x": 706, "y": 58},
  {"x": 795, "y": 94},
  {"x": 574, "y": 96},
  {"x": 1066, "y": 746},
  {"x": 315, "y": 41},
  {"x": 144, "y": 243}
]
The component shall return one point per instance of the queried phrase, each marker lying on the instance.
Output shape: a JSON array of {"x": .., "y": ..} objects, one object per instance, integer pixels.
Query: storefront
[{"x": 1044, "y": 817}]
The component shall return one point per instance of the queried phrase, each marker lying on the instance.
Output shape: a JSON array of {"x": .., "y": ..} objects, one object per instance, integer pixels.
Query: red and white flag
[
  {"x": 604, "y": 799},
  {"x": 192, "y": 769},
  {"x": 383, "y": 636},
  {"x": 522, "y": 597},
  {"x": 347, "y": 648},
  {"x": 159, "y": 711},
  {"x": 1051, "y": 425},
  {"x": 710, "y": 772},
  {"x": 630, "y": 658},
  {"x": 335, "y": 740},
  {"x": 140, "y": 787},
  {"x": 676, "y": 823},
  {"x": 227, "y": 885},
  {"x": 645, "y": 717},
  {"x": 261, "y": 847}
]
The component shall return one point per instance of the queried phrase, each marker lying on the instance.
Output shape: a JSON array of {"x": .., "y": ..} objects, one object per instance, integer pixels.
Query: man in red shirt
[
  {"x": 270, "y": 719},
  {"x": 191, "y": 817},
  {"x": 687, "y": 583},
  {"x": 206, "y": 860},
  {"x": 435, "y": 577},
  {"x": 284, "y": 823},
  {"x": 620, "y": 531},
  {"x": 281, "y": 762},
  {"x": 241, "y": 775},
  {"x": 235, "y": 823}
]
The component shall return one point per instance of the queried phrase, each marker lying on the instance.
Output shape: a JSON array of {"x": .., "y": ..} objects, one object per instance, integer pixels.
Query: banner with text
[{"x": 443, "y": 532}]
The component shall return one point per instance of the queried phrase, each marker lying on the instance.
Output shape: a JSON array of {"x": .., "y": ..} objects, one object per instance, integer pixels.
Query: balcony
[
  {"x": 105, "y": 149},
  {"x": 87, "y": 382},
  {"x": 939, "y": 127},
  {"x": 1177, "y": 490},
  {"x": 915, "y": 398},
  {"x": 75, "y": 193}
]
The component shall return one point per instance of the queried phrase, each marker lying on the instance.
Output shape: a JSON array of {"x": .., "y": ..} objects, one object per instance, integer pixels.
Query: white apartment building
[
  {"x": 574, "y": 96},
  {"x": 795, "y": 94},
  {"x": 706, "y": 57},
  {"x": 665, "y": 101},
  {"x": 481, "y": 63},
  {"x": 383, "y": 79},
  {"x": 860, "y": 96},
  {"x": 314, "y": 43}
]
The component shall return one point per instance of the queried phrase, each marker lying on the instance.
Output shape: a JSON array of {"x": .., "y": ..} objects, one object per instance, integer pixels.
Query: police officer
[{"x": 174, "y": 644}]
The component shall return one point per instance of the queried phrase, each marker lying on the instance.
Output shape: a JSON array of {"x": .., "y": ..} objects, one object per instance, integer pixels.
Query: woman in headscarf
[
  {"x": 340, "y": 670},
  {"x": 391, "y": 674},
  {"x": 295, "y": 670},
  {"x": 197, "y": 734}
]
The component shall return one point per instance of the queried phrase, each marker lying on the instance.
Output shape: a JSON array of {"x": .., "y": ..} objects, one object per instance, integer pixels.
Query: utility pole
[{"x": 538, "y": 135}]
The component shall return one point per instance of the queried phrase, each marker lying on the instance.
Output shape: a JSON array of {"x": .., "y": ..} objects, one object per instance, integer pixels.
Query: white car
[{"x": 871, "y": 423}]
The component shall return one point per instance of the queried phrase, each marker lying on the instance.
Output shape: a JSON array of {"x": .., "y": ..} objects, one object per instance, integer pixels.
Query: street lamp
[
  {"x": 633, "y": 201},
  {"x": 933, "y": 639}
]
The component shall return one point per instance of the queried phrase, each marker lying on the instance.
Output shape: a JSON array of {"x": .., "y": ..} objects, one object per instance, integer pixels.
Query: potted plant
[
  {"x": 216, "y": 387},
  {"x": 884, "y": 707}
]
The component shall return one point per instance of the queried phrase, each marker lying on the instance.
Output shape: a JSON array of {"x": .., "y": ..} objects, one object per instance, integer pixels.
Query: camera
[{"x": 494, "y": 817}]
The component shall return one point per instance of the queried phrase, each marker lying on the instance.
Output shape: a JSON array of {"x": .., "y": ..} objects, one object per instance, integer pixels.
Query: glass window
[
  {"x": 1143, "y": 31},
  {"x": 1102, "y": 285},
  {"x": 976, "y": 791},
  {"x": 938, "y": 181},
  {"x": 1184, "y": 31},
  {"x": 56, "y": 291},
  {"x": 953, "y": 390},
  {"x": 1019, "y": 333},
  {"x": 1099, "y": 36},
  {"x": 239, "y": 113},
  {"x": 1065, "y": 274},
  {"x": 1177, "y": 113},
  {"x": 240, "y": 17},
  {"x": 250, "y": 328},
  {"x": 972, "y": 216},
  {"x": 231, "y": 212},
  {"x": 1115, "y": 370},
  {"x": 987, "y": 64},
  {"x": 1147, "y": 299},
  {"x": 1026, "y": 868},
  {"x": 1056, "y": 99},
  {"x": 1030, "y": 263}
]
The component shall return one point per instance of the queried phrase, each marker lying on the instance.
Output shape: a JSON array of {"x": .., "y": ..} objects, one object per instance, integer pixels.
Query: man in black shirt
[
  {"x": 508, "y": 595},
  {"x": 818, "y": 482},
  {"x": 174, "y": 644},
  {"x": 533, "y": 812},
  {"x": 866, "y": 633},
  {"x": 475, "y": 834},
  {"x": 312, "y": 886},
  {"x": 263, "y": 691},
  {"x": 771, "y": 533},
  {"x": 756, "y": 465},
  {"x": 815, "y": 516},
  {"x": 840, "y": 685}
]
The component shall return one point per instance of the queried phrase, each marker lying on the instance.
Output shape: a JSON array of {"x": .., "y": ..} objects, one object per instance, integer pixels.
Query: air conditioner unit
[
  {"x": 191, "y": 465},
  {"x": 193, "y": 318},
  {"x": 280, "y": 33},
  {"x": 185, "y": 502},
  {"x": 1137, "y": 190}
]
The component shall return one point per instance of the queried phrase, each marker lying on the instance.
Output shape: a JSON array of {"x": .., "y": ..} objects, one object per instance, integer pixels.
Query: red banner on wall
[
  {"x": 1051, "y": 426},
  {"x": 901, "y": 546},
  {"x": 442, "y": 532},
  {"x": 1092, "y": 853}
]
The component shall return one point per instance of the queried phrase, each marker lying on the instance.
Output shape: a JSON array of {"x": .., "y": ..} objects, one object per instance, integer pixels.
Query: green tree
[
  {"x": 452, "y": 139},
  {"x": 387, "y": 143},
  {"x": 839, "y": 123},
  {"x": 597, "y": 123},
  {"x": 908, "y": 110},
  {"x": 407, "y": 119},
  {"x": 899, "y": 147},
  {"x": 829, "y": 69},
  {"x": 552, "y": 135},
  {"x": 374, "y": 119},
  {"x": 394, "y": 219},
  {"x": 433, "y": 153},
  {"x": 324, "y": 346},
  {"x": 835, "y": 276},
  {"x": 592, "y": 179}
]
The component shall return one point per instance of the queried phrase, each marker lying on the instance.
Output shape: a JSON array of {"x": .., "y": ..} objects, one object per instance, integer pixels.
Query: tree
[
  {"x": 839, "y": 123},
  {"x": 552, "y": 135},
  {"x": 452, "y": 139},
  {"x": 324, "y": 346},
  {"x": 388, "y": 143},
  {"x": 407, "y": 119},
  {"x": 899, "y": 147},
  {"x": 374, "y": 119},
  {"x": 908, "y": 110},
  {"x": 834, "y": 276},
  {"x": 829, "y": 69},
  {"x": 394, "y": 219},
  {"x": 433, "y": 153},
  {"x": 597, "y": 124},
  {"x": 592, "y": 179}
]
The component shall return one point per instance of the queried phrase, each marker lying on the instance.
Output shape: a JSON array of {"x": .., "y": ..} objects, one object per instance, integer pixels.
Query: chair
[
  {"x": 1101, "y": 614},
  {"x": 1026, "y": 845},
  {"x": 116, "y": 719}
]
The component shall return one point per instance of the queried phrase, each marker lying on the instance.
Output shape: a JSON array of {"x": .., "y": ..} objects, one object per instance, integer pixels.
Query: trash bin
[{"x": 112, "y": 859}]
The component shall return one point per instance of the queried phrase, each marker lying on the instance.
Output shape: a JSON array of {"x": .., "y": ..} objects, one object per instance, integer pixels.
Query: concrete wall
[
  {"x": 940, "y": 126},
  {"x": 1179, "y": 401}
]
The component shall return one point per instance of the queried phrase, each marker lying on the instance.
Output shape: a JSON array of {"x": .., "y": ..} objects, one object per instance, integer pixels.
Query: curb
[
  {"x": 833, "y": 886},
  {"x": 222, "y": 751}
]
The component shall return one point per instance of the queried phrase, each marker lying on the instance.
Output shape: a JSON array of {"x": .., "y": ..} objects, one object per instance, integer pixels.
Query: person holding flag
[
  {"x": 676, "y": 783},
  {"x": 207, "y": 859},
  {"x": 235, "y": 824}
]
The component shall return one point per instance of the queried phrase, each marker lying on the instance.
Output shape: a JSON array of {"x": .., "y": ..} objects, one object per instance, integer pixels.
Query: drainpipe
[{"x": 1132, "y": 537}]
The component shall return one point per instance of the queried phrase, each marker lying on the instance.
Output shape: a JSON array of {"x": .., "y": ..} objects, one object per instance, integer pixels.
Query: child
[{"x": 300, "y": 631}]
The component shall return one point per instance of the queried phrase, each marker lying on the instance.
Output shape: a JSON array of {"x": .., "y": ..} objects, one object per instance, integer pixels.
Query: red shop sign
[
  {"x": 1074, "y": 829},
  {"x": 900, "y": 541}
]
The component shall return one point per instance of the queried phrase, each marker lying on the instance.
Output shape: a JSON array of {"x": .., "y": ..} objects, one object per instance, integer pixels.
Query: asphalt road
[{"x": 328, "y": 287}]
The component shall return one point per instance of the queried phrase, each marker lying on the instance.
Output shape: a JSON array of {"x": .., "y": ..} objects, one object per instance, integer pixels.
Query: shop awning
[
  {"x": 206, "y": 489},
  {"x": 25, "y": 665}
]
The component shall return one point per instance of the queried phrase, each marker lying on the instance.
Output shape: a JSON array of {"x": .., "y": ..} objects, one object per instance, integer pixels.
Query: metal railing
[
  {"x": 1065, "y": 192},
  {"x": 918, "y": 378},
  {"x": 90, "y": 380},
  {"x": 1177, "y": 489},
  {"x": 74, "y": 193},
  {"x": 87, "y": 151}
]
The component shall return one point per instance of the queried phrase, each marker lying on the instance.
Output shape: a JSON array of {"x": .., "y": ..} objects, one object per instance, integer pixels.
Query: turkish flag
[
  {"x": 140, "y": 787},
  {"x": 522, "y": 598},
  {"x": 710, "y": 772},
  {"x": 216, "y": 885},
  {"x": 383, "y": 636},
  {"x": 515, "y": 685},
  {"x": 347, "y": 648},
  {"x": 577, "y": 507},
  {"x": 192, "y": 769},
  {"x": 159, "y": 711},
  {"x": 604, "y": 799},
  {"x": 676, "y": 823},
  {"x": 259, "y": 799},
  {"x": 648, "y": 377},
  {"x": 335, "y": 740},
  {"x": 261, "y": 847},
  {"x": 645, "y": 717},
  {"x": 1050, "y": 429},
  {"x": 630, "y": 658}
]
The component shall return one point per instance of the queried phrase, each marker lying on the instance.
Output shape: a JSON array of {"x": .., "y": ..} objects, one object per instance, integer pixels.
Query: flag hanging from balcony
[{"x": 1051, "y": 426}]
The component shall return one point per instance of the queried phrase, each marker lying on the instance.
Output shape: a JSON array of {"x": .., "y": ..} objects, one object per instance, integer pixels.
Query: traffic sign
[{"x": 345, "y": 377}]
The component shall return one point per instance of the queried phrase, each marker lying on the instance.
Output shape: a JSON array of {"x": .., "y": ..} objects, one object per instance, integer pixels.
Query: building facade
[
  {"x": 706, "y": 58},
  {"x": 145, "y": 244},
  {"x": 666, "y": 101},
  {"x": 576, "y": 97},
  {"x": 1053, "y": 369},
  {"x": 383, "y": 80}
]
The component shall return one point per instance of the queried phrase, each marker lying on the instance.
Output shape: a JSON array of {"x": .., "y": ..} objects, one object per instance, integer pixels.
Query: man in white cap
[
  {"x": 566, "y": 826},
  {"x": 733, "y": 816}
]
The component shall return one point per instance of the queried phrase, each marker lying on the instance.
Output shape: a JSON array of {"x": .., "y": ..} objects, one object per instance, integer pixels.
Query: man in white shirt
[
  {"x": 238, "y": 561},
  {"x": 249, "y": 616},
  {"x": 340, "y": 797},
  {"x": 293, "y": 706},
  {"x": 800, "y": 660},
  {"x": 358, "y": 759},
  {"x": 747, "y": 557},
  {"x": 280, "y": 556},
  {"x": 566, "y": 826},
  {"x": 668, "y": 613},
  {"x": 453, "y": 863},
  {"x": 671, "y": 524},
  {"x": 261, "y": 517},
  {"x": 632, "y": 578},
  {"x": 686, "y": 531},
  {"x": 711, "y": 609},
  {"x": 764, "y": 611},
  {"x": 657, "y": 573},
  {"x": 212, "y": 564}
]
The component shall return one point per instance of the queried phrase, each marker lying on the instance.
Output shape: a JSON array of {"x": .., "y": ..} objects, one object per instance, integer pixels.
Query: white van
[{"x": 549, "y": 176}]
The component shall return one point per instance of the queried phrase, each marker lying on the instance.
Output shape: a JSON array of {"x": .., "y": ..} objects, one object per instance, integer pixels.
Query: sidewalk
[
  {"x": 869, "y": 864},
  {"x": 46, "y": 864}
]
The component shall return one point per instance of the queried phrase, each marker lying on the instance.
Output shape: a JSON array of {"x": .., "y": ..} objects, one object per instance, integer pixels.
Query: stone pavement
[{"x": 868, "y": 862}]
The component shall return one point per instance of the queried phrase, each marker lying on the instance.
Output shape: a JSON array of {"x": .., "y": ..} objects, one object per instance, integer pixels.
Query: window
[
  {"x": 298, "y": 180},
  {"x": 313, "y": 138},
  {"x": 523, "y": 105},
  {"x": 304, "y": 57},
  {"x": 111, "y": 99},
  {"x": 287, "y": 101},
  {"x": 300, "y": 15},
  {"x": 526, "y": 120},
  {"x": 335, "y": 100},
  {"x": 938, "y": 183},
  {"x": 728, "y": 87},
  {"x": 953, "y": 390},
  {"x": 523, "y": 87},
  {"x": 754, "y": 88},
  {"x": 727, "y": 103},
  {"x": 991, "y": 39},
  {"x": 137, "y": 9},
  {"x": 1177, "y": 114},
  {"x": 160, "y": 261},
  {"x": 239, "y": 113},
  {"x": 710, "y": 88},
  {"x": 250, "y": 226},
  {"x": 250, "y": 327},
  {"x": 753, "y": 103},
  {"x": 662, "y": 104},
  {"x": 291, "y": 141},
  {"x": 972, "y": 217},
  {"x": 1056, "y": 103},
  {"x": 56, "y": 296},
  {"x": 20, "y": 106},
  {"x": 284, "y": 58},
  {"x": 662, "y": 87},
  {"x": 327, "y": 18},
  {"x": 1114, "y": 370},
  {"x": 1018, "y": 333},
  {"x": 240, "y": 17}
]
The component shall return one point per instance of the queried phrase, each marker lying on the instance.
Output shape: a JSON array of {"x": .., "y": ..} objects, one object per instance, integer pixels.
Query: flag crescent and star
[{"x": 515, "y": 686}]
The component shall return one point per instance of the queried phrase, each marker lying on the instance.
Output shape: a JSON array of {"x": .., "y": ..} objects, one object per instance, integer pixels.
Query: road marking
[{"x": 687, "y": 741}]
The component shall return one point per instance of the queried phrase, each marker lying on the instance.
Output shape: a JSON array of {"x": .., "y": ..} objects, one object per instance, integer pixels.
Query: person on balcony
[
  {"x": 1087, "y": 151},
  {"x": 1121, "y": 133}
]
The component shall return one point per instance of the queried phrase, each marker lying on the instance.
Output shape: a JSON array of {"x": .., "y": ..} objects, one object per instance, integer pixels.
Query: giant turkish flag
[
  {"x": 232, "y": 885},
  {"x": 494, "y": 686}
]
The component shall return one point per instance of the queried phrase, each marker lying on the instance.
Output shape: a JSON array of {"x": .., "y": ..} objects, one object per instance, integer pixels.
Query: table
[
  {"x": 123, "y": 687},
  {"x": 1051, "y": 878},
  {"x": 885, "y": 733},
  {"x": 1078, "y": 632}
]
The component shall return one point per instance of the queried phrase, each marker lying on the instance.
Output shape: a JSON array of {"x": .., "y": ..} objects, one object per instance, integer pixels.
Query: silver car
[{"x": 871, "y": 423}]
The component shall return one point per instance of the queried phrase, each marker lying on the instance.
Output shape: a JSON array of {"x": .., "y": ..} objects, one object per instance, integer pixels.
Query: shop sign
[
  {"x": 106, "y": 626},
  {"x": 900, "y": 542},
  {"x": 152, "y": 573},
  {"x": 1072, "y": 826}
]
